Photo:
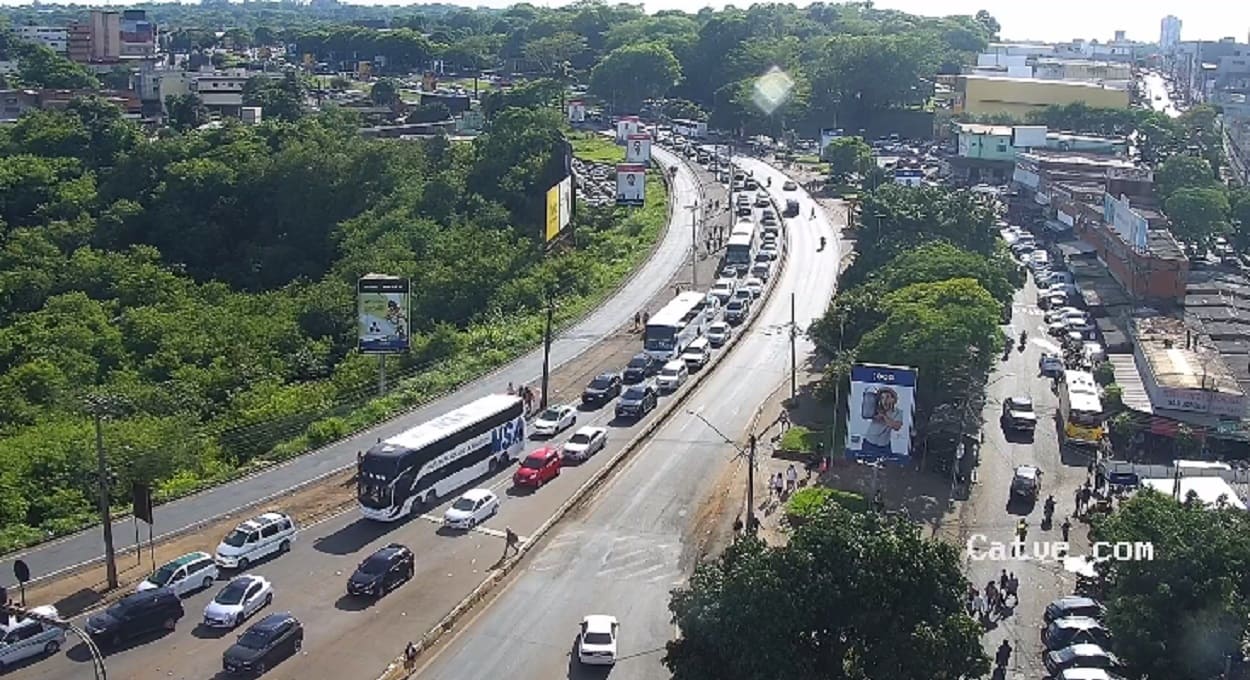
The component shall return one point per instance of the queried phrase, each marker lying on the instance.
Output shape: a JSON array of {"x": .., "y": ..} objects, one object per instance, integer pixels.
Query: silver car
[{"x": 26, "y": 638}]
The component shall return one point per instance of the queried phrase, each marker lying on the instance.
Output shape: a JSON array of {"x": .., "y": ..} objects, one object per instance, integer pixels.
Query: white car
[
  {"x": 555, "y": 420},
  {"x": 769, "y": 249},
  {"x": 184, "y": 575},
  {"x": 241, "y": 598},
  {"x": 719, "y": 333},
  {"x": 754, "y": 285},
  {"x": 1061, "y": 313},
  {"x": 471, "y": 509},
  {"x": 22, "y": 639},
  {"x": 596, "y": 645},
  {"x": 585, "y": 443},
  {"x": 270, "y": 533},
  {"x": 723, "y": 289}
]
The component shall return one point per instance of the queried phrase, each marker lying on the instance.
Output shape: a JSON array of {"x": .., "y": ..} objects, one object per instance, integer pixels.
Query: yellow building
[{"x": 984, "y": 95}]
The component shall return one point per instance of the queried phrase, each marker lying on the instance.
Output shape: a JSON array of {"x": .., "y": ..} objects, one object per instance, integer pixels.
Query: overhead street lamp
[{"x": 749, "y": 454}]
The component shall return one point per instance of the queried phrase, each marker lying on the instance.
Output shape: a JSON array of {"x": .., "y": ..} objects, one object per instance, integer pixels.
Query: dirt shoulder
[{"x": 85, "y": 590}]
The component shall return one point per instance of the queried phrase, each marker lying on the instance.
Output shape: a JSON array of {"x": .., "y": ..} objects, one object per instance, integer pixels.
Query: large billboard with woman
[{"x": 882, "y": 402}]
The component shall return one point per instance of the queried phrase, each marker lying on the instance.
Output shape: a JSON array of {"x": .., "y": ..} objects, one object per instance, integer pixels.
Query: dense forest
[{"x": 203, "y": 283}]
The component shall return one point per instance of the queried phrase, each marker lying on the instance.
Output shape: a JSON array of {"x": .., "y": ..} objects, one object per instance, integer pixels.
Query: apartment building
[
  {"x": 109, "y": 37},
  {"x": 55, "y": 38}
]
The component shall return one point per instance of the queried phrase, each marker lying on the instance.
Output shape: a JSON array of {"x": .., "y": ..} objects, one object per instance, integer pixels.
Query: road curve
[
  {"x": 672, "y": 253},
  {"x": 632, "y": 546}
]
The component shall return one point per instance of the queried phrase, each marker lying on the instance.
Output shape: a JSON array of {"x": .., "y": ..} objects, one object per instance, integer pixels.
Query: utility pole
[
  {"x": 551, "y": 310},
  {"x": 99, "y": 406},
  {"x": 694, "y": 241},
  {"x": 749, "y": 454},
  {"x": 381, "y": 375},
  {"x": 794, "y": 371}
]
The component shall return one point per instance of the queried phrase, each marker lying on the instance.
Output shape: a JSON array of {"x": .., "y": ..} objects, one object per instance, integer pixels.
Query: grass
[
  {"x": 799, "y": 438},
  {"x": 599, "y": 149},
  {"x": 811, "y": 501}
]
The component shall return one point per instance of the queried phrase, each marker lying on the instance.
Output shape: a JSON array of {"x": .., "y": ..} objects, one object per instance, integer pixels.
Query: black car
[
  {"x": 268, "y": 641},
  {"x": 604, "y": 388},
  {"x": 382, "y": 571},
  {"x": 638, "y": 400},
  {"x": 641, "y": 366},
  {"x": 1074, "y": 605},
  {"x": 135, "y": 615}
]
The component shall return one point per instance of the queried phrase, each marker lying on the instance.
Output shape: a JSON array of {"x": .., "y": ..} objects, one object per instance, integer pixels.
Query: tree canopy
[
  {"x": 1180, "y": 613},
  {"x": 851, "y": 596}
]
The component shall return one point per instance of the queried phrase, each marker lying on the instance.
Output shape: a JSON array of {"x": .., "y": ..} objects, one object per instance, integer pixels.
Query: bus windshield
[
  {"x": 1085, "y": 418},
  {"x": 374, "y": 494},
  {"x": 660, "y": 338}
]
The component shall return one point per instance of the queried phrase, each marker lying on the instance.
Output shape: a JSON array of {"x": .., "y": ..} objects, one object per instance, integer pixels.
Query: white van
[
  {"x": 259, "y": 537},
  {"x": 697, "y": 354},
  {"x": 23, "y": 638},
  {"x": 672, "y": 375}
]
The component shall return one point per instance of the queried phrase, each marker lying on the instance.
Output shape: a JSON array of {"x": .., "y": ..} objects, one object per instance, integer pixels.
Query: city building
[
  {"x": 221, "y": 91},
  {"x": 108, "y": 37},
  {"x": 987, "y": 153},
  {"x": 990, "y": 95},
  {"x": 15, "y": 103},
  {"x": 1169, "y": 33},
  {"x": 55, "y": 38}
]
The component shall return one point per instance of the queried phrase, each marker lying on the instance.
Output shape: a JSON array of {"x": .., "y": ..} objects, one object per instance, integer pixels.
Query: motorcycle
[
  {"x": 822, "y": 245},
  {"x": 1024, "y": 337}
]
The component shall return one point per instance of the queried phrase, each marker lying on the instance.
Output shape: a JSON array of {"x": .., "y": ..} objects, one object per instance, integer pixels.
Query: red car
[{"x": 538, "y": 468}]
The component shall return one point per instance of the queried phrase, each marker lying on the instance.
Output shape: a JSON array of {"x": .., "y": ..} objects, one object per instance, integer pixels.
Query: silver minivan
[
  {"x": 673, "y": 375},
  {"x": 267, "y": 534},
  {"x": 22, "y": 639},
  {"x": 697, "y": 354}
]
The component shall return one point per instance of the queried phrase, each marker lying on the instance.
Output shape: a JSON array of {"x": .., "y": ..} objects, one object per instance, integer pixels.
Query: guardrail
[{"x": 404, "y": 664}]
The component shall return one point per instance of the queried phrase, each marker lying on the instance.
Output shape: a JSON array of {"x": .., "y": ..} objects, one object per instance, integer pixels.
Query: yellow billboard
[{"x": 553, "y": 212}]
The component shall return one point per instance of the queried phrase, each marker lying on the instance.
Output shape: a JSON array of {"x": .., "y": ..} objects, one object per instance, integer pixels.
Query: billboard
[
  {"x": 827, "y": 135},
  {"x": 1126, "y": 222},
  {"x": 631, "y": 182},
  {"x": 882, "y": 404},
  {"x": 559, "y": 208},
  {"x": 909, "y": 177},
  {"x": 626, "y": 126},
  {"x": 638, "y": 149},
  {"x": 577, "y": 111},
  {"x": 382, "y": 314}
]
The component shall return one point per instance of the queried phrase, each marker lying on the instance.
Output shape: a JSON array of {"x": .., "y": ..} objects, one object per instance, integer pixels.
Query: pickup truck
[{"x": 1018, "y": 413}]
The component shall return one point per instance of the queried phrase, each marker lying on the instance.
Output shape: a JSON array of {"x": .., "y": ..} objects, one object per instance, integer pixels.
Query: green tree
[
  {"x": 794, "y": 611},
  {"x": 1192, "y": 595},
  {"x": 39, "y": 66},
  {"x": 1239, "y": 204},
  {"x": 630, "y": 74},
  {"x": 1197, "y": 214},
  {"x": 429, "y": 113},
  {"x": 185, "y": 111},
  {"x": 847, "y": 156},
  {"x": 553, "y": 51},
  {"x": 1181, "y": 172},
  {"x": 118, "y": 78},
  {"x": 385, "y": 92},
  {"x": 279, "y": 99}
]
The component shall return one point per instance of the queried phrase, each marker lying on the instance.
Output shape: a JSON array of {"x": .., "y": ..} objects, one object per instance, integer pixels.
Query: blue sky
[{"x": 1051, "y": 20}]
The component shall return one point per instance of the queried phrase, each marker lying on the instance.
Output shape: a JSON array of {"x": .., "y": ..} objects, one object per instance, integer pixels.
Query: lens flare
[{"x": 772, "y": 90}]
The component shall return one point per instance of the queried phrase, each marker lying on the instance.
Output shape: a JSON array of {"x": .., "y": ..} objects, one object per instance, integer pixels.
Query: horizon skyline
[{"x": 1201, "y": 20}]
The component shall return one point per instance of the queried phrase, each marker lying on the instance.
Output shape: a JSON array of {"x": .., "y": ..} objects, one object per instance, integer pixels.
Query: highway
[
  {"x": 671, "y": 255},
  {"x": 637, "y": 539},
  {"x": 350, "y": 637}
]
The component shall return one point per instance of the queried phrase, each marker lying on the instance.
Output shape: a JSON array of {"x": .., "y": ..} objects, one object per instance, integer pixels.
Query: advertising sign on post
[
  {"x": 559, "y": 208},
  {"x": 566, "y": 201},
  {"x": 638, "y": 149},
  {"x": 631, "y": 184},
  {"x": 882, "y": 404},
  {"x": 382, "y": 304},
  {"x": 577, "y": 111},
  {"x": 827, "y": 135},
  {"x": 626, "y": 126}
]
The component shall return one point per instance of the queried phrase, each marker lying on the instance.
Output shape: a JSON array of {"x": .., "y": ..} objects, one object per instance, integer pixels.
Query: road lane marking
[{"x": 479, "y": 529}]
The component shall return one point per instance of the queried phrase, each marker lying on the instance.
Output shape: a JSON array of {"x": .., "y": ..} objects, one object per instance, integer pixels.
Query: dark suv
[
  {"x": 135, "y": 615},
  {"x": 604, "y": 388},
  {"x": 268, "y": 641},
  {"x": 641, "y": 366},
  {"x": 382, "y": 571},
  {"x": 638, "y": 400}
]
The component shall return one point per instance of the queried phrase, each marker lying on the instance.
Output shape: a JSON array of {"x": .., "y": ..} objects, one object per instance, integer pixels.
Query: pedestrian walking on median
[
  {"x": 637, "y": 320},
  {"x": 792, "y": 479},
  {"x": 511, "y": 542},
  {"x": 979, "y": 606},
  {"x": 1077, "y": 497},
  {"x": 1065, "y": 528},
  {"x": 777, "y": 485},
  {"x": 992, "y": 597},
  {"x": 1003, "y": 581},
  {"x": 1003, "y": 656},
  {"x": 511, "y": 389},
  {"x": 1013, "y": 588}
]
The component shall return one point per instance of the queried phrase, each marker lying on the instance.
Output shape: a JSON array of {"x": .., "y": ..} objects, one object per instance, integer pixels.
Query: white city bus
[
  {"x": 740, "y": 248},
  {"x": 690, "y": 128},
  {"x": 672, "y": 329},
  {"x": 421, "y": 465},
  {"x": 1080, "y": 409}
]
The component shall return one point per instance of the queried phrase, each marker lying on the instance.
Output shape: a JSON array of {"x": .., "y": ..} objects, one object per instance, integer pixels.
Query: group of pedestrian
[
  {"x": 782, "y": 485},
  {"x": 992, "y": 602},
  {"x": 526, "y": 393},
  {"x": 1083, "y": 497}
]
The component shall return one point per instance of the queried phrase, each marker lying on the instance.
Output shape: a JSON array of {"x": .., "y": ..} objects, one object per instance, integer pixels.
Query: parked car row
[{"x": 1076, "y": 641}]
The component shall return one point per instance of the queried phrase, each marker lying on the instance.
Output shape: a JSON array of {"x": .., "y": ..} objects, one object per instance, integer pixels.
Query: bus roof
[
  {"x": 739, "y": 240},
  {"x": 433, "y": 430},
  {"x": 747, "y": 228},
  {"x": 1078, "y": 382},
  {"x": 674, "y": 312}
]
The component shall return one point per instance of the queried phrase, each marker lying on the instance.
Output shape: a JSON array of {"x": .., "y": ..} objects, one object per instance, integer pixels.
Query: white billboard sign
[
  {"x": 577, "y": 111},
  {"x": 566, "y": 201},
  {"x": 631, "y": 181},
  {"x": 626, "y": 126},
  {"x": 882, "y": 406},
  {"x": 1126, "y": 222},
  {"x": 827, "y": 135},
  {"x": 638, "y": 149}
]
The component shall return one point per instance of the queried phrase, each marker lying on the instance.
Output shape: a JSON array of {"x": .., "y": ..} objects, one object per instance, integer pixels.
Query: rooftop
[
  {"x": 1163, "y": 343},
  {"x": 1035, "y": 81},
  {"x": 1163, "y": 245},
  {"x": 981, "y": 129},
  {"x": 1075, "y": 158}
]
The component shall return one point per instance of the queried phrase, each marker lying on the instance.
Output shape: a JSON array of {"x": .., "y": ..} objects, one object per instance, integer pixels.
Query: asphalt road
[
  {"x": 625, "y": 553},
  {"x": 669, "y": 257},
  {"x": 348, "y": 637},
  {"x": 1156, "y": 87},
  {"x": 988, "y": 513}
]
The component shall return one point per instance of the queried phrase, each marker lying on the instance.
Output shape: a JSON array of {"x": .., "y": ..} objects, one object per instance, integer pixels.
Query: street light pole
[
  {"x": 98, "y": 406},
  {"x": 794, "y": 371},
  {"x": 694, "y": 243},
  {"x": 749, "y": 454},
  {"x": 551, "y": 309}
]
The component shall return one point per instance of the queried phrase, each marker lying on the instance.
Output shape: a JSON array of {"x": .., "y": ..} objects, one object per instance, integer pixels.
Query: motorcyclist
[
  {"x": 1049, "y": 507},
  {"x": 822, "y": 242},
  {"x": 1024, "y": 336},
  {"x": 813, "y": 212},
  {"x": 770, "y": 181}
]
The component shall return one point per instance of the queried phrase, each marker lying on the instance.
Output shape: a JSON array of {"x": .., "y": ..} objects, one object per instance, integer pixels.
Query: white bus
[
  {"x": 740, "y": 248},
  {"x": 673, "y": 328},
  {"x": 421, "y": 465},
  {"x": 690, "y": 128},
  {"x": 1080, "y": 409}
]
